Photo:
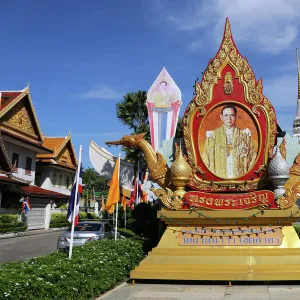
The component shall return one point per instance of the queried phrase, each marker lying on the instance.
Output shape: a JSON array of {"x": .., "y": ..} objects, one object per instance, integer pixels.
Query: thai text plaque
[
  {"x": 230, "y": 236},
  {"x": 215, "y": 201}
]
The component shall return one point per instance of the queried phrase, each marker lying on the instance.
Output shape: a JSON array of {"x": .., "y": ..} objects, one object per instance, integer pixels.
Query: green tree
[
  {"x": 132, "y": 112},
  {"x": 179, "y": 129},
  {"x": 93, "y": 182}
]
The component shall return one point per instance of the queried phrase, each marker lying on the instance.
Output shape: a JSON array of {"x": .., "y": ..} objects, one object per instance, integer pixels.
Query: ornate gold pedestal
[{"x": 239, "y": 263}]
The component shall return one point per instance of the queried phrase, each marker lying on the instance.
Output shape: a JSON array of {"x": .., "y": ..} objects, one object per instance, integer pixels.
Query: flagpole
[
  {"x": 117, "y": 209},
  {"x": 116, "y": 228},
  {"x": 125, "y": 215},
  {"x": 138, "y": 183},
  {"x": 75, "y": 200}
]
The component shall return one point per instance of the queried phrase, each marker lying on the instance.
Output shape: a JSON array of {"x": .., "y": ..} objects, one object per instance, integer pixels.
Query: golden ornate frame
[
  {"x": 251, "y": 114},
  {"x": 228, "y": 54}
]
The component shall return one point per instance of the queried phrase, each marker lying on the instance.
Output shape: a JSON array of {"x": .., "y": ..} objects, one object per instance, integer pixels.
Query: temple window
[
  {"x": 59, "y": 181},
  {"x": 38, "y": 177},
  {"x": 67, "y": 182},
  {"x": 15, "y": 162},
  {"x": 28, "y": 165},
  {"x": 54, "y": 179}
]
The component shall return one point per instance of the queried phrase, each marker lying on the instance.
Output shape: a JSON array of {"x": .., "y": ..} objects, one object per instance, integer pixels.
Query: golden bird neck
[{"x": 147, "y": 149}]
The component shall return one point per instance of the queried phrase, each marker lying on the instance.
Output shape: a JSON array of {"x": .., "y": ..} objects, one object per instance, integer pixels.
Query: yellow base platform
[{"x": 169, "y": 260}]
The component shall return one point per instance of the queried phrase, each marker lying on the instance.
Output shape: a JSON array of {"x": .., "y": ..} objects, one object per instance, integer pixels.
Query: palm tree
[{"x": 132, "y": 112}]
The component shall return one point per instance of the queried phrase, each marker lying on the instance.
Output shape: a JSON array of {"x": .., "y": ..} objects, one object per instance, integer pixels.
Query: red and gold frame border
[{"x": 246, "y": 92}]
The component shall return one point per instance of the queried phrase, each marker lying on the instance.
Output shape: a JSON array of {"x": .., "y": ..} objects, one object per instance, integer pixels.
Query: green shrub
[
  {"x": 10, "y": 223},
  {"x": 87, "y": 216},
  {"x": 8, "y": 219},
  {"x": 94, "y": 268},
  {"x": 13, "y": 229},
  {"x": 58, "y": 218},
  {"x": 126, "y": 232},
  {"x": 59, "y": 225}
]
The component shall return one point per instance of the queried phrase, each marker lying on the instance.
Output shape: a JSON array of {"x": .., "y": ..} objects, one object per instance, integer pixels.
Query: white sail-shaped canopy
[{"x": 104, "y": 162}]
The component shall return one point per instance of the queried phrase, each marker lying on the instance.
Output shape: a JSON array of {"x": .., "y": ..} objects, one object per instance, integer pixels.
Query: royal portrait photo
[{"x": 231, "y": 141}]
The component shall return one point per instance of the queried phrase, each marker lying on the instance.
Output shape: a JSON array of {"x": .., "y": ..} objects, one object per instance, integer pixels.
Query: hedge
[
  {"x": 59, "y": 225},
  {"x": 60, "y": 219},
  {"x": 13, "y": 229},
  {"x": 94, "y": 268},
  {"x": 89, "y": 216},
  {"x": 126, "y": 232},
  {"x": 8, "y": 218},
  {"x": 10, "y": 223}
]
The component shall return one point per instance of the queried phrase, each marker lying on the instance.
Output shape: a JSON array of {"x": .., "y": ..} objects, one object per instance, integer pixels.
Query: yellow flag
[
  {"x": 103, "y": 204},
  {"x": 114, "y": 190},
  {"x": 124, "y": 203}
]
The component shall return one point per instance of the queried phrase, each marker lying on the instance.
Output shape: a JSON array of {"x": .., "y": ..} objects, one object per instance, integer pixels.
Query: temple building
[
  {"x": 21, "y": 141},
  {"x": 56, "y": 171}
]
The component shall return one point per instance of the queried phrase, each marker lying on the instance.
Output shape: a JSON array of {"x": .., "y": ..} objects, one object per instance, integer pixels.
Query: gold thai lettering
[
  {"x": 227, "y": 202},
  {"x": 247, "y": 201},
  {"x": 209, "y": 201},
  {"x": 193, "y": 198},
  {"x": 218, "y": 202},
  {"x": 201, "y": 200},
  {"x": 253, "y": 199},
  {"x": 234, "y": 202},
  {"x": 263, "y": 198}
]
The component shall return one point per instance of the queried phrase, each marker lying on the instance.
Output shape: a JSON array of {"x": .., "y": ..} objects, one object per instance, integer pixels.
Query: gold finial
[
  {"x": 227, "y": 32},
  {"x": 298, "y": 65},
  {"x": 180, "y": 172}
]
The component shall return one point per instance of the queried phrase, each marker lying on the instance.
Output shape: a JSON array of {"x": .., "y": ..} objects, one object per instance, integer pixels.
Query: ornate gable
[
  {"x": 65, "y": 156},
  {"x": 63, "y": 152},
  {"x": 18, "y": 117}
]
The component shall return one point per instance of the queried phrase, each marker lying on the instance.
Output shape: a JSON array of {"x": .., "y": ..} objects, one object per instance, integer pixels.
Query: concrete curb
[
  {"x": 112, "y": 291},
  {"x": 33, "y": 232}
]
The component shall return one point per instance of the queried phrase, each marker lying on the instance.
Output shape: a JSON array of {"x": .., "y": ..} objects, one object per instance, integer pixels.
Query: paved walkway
[{"x": 141, "y": 291}]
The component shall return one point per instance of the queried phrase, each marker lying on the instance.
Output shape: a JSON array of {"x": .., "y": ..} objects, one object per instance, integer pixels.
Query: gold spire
[
  {"x": 227, "y": 32},
  {"x": 298, "y": 64}
]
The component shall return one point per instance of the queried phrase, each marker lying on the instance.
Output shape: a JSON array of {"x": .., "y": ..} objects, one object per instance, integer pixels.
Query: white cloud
[
  {"x": 102, "y": 92},
  {"x": 269, "y": 25}
]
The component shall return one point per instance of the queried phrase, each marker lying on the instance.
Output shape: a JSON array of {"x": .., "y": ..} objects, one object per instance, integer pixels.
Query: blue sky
[{"x": 80, "y": 57}]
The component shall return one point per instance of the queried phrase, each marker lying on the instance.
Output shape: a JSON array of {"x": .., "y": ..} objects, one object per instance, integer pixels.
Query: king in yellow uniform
[
  {"x": 162, "y": 98},
  {"x": 229, "y": 151}
]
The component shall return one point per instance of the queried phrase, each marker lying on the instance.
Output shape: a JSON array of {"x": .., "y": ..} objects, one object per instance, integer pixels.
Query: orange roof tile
[
  {"x": 53, "y": 143},
  {"x": 56, "y": 144}
]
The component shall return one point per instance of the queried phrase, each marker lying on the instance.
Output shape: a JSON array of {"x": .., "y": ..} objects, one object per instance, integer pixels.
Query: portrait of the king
[
  {"x": 229, "y": 151},
  {"x": 163, "y": 97}
]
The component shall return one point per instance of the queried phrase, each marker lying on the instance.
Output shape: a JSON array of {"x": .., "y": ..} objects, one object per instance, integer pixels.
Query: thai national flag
[
  {"x": 26, "y": 207},
  {"x": 71, "y": 209}
]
